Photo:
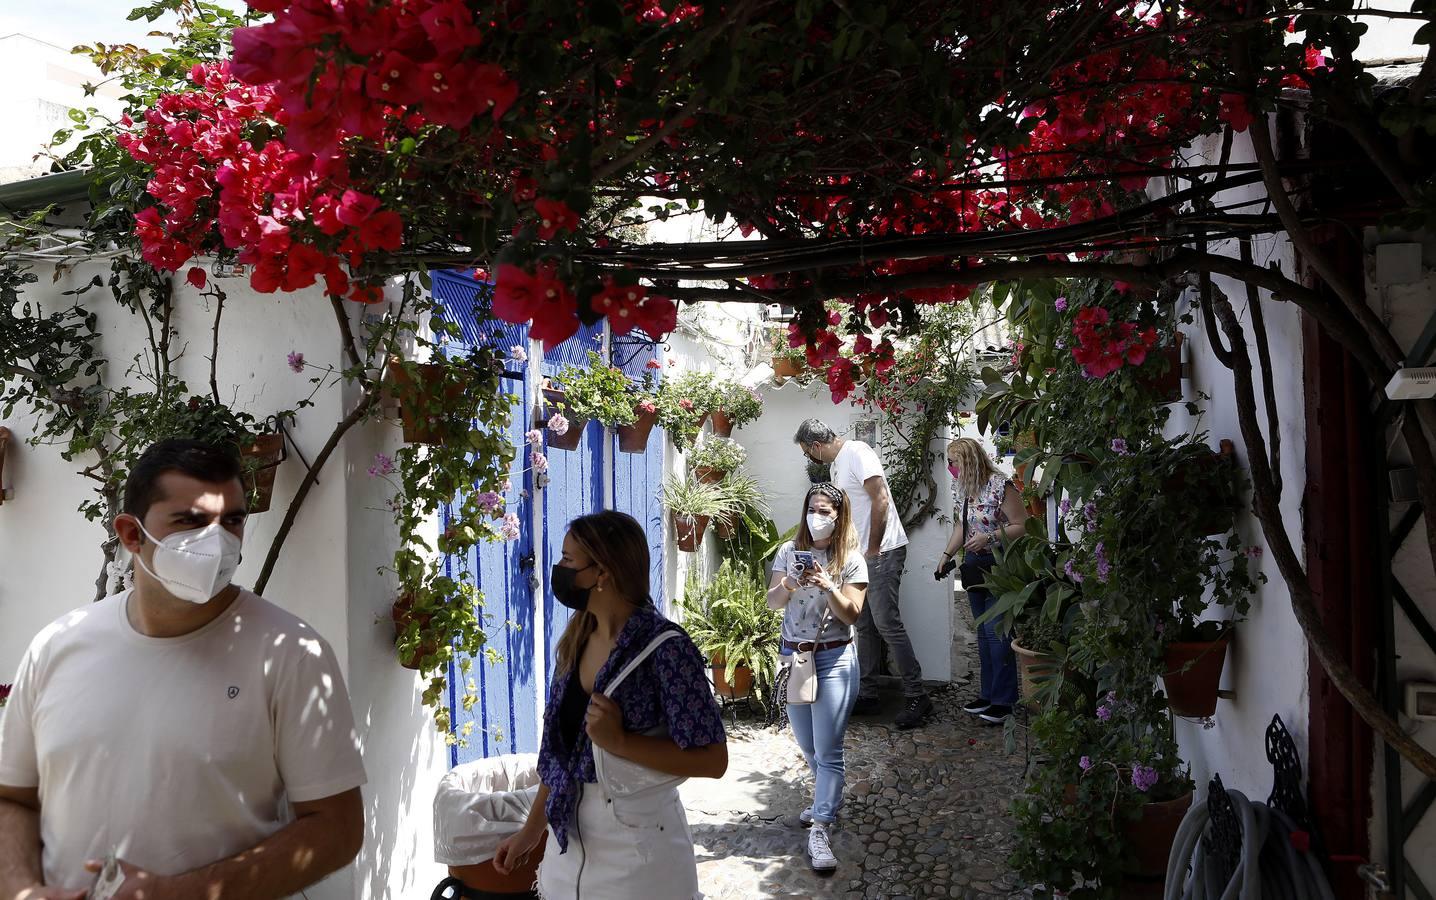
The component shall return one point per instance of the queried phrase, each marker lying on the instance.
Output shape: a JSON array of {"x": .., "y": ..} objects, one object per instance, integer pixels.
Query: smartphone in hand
[{"x": 803, "y": 562}]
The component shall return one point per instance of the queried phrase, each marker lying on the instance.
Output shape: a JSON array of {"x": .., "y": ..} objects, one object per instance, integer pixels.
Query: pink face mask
[{"x": 956, "y": 472}]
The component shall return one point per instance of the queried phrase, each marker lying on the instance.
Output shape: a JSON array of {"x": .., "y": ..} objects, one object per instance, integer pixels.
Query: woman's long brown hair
[
  {"x": 845, "y": 537},
  {"x": 616, "y": 543},
  {"x": 974, "y": 463}
]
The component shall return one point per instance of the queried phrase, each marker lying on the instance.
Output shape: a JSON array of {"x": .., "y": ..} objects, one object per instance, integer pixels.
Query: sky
[{"x": 67, "y": 23}]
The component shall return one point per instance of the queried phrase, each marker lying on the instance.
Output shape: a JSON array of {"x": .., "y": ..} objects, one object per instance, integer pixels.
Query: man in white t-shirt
[
  {"x": 188, "y": 728},
  {"x": 856, "y": 469}
]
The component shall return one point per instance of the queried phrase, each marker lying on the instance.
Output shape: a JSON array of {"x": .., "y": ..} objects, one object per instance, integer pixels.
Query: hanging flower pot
[
  {"x": 1217, "y": 513},
  {"x": 1193, "y": 675},
  {"x": 572, "y": 436},
  {"x": 403, "y": 614},
  {"x": 634, "y": 438},
  {"x": 261, "y": 463},
  {"x": 1150, "y": 839},
  {"x": 725, "y": 526},
  {"x": 741, "y": 686},
  {"x": 722, "y": 423},
  {"x": 420, "y": 409},
  {"x": 708, "y": 474},
  {"x": 1031, "y": 666},
  {"x": 786, "y": 368},
  {"x": 689, "y": 530}
]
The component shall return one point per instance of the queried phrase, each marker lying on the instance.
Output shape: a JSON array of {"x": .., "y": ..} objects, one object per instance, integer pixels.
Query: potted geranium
[
  {"x": 692, "y": 504},
  {"x": 715, "y": 458},
  {"x": 737, "y": 406},
  {"x": 729, "y": 620},
  {"x": 683, "y": 403},
  {"x": 597, "y": 392}
]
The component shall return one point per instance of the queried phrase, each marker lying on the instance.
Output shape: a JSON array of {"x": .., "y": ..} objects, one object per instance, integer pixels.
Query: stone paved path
[{"x": 925, "y": 813}]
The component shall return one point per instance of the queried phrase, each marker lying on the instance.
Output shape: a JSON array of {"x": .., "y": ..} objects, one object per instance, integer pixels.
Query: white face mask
[
  {"x": 194, "y": 565},
  {"x": 821, "y": 526}
]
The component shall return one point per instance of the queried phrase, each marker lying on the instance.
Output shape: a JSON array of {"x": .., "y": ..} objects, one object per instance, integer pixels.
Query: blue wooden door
[
  {"x": 638, "y": 477},
  {"x": 505, "y": 717},
  {"x": 575, "y": 483}
]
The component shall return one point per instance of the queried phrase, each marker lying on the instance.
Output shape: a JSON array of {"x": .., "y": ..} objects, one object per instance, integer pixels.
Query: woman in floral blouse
[
  {"x": 994, "y": 512},
  {"x": 630, "y": 714}
]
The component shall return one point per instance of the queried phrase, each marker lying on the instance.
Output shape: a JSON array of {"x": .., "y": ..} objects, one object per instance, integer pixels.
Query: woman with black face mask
[{"x": 630, "y": 715}]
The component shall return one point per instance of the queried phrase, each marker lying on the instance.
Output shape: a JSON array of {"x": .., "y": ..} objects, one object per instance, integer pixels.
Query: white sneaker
[
  {"x": 820, "y": 851},
  {"x": 806, "y": 817}
]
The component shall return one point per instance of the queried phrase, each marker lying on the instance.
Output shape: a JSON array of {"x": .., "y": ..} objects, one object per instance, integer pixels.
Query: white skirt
[{"x": 650, "y": 855}]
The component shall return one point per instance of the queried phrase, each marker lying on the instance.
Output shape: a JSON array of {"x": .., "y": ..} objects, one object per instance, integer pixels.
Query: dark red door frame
[{"x": 1341, "y": 557}]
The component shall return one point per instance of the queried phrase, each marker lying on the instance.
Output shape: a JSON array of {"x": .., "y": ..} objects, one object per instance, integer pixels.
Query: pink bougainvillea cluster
[{"x": 1104, "y": 346}]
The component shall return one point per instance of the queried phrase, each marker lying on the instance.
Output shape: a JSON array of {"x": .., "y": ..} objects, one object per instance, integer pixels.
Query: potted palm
[
  {"x": 730, "y": 622},
  {"x": 716, "y": 458},
  {"x": 692, "y": 504},
  {"x": 737, "y": 406}
]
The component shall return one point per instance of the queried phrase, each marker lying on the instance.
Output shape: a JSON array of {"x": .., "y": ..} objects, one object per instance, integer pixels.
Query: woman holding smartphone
[{"x": 819, "y": 581}]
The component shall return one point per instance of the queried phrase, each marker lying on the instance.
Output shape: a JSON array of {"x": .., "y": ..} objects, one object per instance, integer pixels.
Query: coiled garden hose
[{"x": 1269, "y": 868}]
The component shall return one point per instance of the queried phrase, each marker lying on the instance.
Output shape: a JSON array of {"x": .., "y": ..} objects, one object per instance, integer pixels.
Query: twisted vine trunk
[{"x": 1267, "y": 498}]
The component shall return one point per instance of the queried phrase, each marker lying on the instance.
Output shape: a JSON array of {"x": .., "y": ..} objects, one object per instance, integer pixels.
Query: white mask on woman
[
  {"x": 820, "y": 526},
  {"x": 194, "y": 565}
]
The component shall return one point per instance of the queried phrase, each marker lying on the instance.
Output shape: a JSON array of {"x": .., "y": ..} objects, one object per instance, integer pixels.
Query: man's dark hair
[
  {"x": 814, "y": 431},
  {"x": 213, "y": 463}
]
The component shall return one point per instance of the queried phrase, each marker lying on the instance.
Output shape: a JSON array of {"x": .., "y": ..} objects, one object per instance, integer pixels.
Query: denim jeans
[
  {"x": 819, "y": 727},
  {"x": 881, "y": 622},
  {"x": 998, "y": 664}
]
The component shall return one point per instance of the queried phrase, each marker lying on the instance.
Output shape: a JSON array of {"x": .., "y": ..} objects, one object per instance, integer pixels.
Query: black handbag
[{"x": 973, "y": 574}]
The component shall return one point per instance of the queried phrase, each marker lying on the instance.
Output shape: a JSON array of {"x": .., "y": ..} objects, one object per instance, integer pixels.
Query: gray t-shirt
[{"x": 804, "y": 611}]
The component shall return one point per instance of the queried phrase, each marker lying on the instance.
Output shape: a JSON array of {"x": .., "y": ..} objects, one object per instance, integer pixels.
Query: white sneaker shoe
[
  {"x": 806, "y": 817},
  {"x": 820, "y": 851}
]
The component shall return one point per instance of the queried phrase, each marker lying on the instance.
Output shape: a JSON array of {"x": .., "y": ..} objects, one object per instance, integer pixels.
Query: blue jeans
[
  {"x": 819, "y": 727},
  {"x": 997, "y": 683}
]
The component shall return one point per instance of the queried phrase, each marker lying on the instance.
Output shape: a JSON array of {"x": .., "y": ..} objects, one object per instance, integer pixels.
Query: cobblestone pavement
[{"x": 925, "y": 813}]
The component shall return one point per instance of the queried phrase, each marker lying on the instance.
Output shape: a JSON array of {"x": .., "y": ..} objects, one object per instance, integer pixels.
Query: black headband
[{"x": 829, "y": 490}]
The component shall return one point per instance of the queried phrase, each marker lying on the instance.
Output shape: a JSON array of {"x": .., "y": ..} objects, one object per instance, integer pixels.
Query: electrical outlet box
[
  {"x": 1421, "y": 701},
  {"x": 1412, "y": 384}
]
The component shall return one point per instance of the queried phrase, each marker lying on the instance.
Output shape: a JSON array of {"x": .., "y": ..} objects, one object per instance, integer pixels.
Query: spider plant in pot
[
  {"x": 693, "y": 504},
  {"x": 750, "y": 499}
]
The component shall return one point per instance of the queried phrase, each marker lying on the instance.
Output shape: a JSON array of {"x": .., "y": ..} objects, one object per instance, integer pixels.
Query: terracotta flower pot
[
  {"x": 484, "y": 877},
  {"x": 415, "y": 393},
  {"x": 690, "y": 531},
  {"x": 725, "y": 527},
  {"x": 572, "y": 437},
  {"x": 708, "y": 474},
  {"x": 634, "y": 438},
  {"x": 702, "y": 419},
  {"x": 1030, "y": 666},
  {"x": 1212, "y": 517},
  {"x": 741, "y": 686},
  {"x": 722, "y": 424},
  {"x": 266, "y": 453},
  {"x": 786, "y": 368},
  {"x": 403, "y": 613},
  {"x": 1193, "y": 674},
  {"x": 1150, "y": 839}
]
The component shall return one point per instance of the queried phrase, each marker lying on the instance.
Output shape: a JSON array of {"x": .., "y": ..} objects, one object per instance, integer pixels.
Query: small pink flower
[
  {"x": 517, "y": 353},
  {"x": 648, "y": 406},
  {"x": 686, "y": 404},
  {"x": 1084, "y": 763},
  {"x": 489, "y": 501},
  {"x": 1060, "y": 303},
  {"x": 1119, "y": 447},
  {"x": 653, "y": 364},
  {"x": 672, "y": 363},
  {"x": 534, "y": 437},
  {"x": 296, "y": 361},
  {"x": 1253, "y": 552},
  {"x": 383, "y": 465},
  {"x": 538, "y": 461},
  {"x": 509, "y": 530},
  {"x": 507, "y": 486},
  {"x": 557, "y": 423}
]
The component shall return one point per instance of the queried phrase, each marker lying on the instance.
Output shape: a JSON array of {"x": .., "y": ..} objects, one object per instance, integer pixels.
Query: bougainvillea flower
[{"x": 554, "y": 216}]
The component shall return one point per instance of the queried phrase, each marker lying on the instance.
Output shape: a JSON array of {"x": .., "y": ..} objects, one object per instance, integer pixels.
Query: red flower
[
  {"x": 554, "y": 216},
  {"x": 658, "y": 317},
  {"x": 620, "y": 303},
  {"x": 538, "y": 298},
  {"x": 383, "y": 231},
  {"x": 356, "y": 208},
  {"x": 450, "y": 27},
  {"x": 196, "y": 277}
]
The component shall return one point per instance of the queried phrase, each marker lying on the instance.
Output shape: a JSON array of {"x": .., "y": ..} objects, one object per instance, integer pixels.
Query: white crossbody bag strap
[{"x": 637, "y": 661}]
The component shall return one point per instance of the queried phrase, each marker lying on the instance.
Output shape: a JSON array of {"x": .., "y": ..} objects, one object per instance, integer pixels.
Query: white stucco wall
[
  {"x": 1266, "y": 666},
  {"x": 327, "y": 573}
]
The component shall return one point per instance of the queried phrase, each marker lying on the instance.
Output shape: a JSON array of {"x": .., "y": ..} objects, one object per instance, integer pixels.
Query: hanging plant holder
[
  {"x": 722, "y": 424},
  {"x": 1193, "y": 673},
  {"x": 689, "y": 530},
  {"x": 786, "y": 368},
  {"x": 634, "y": 438},
  {"x": 416, "y": 392},
  {"x": 573, "y": 436},
  {"x": 261, "y": 463}
]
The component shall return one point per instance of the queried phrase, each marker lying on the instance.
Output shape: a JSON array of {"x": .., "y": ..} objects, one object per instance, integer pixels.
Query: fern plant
[{"x": 729, "y": 619}]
